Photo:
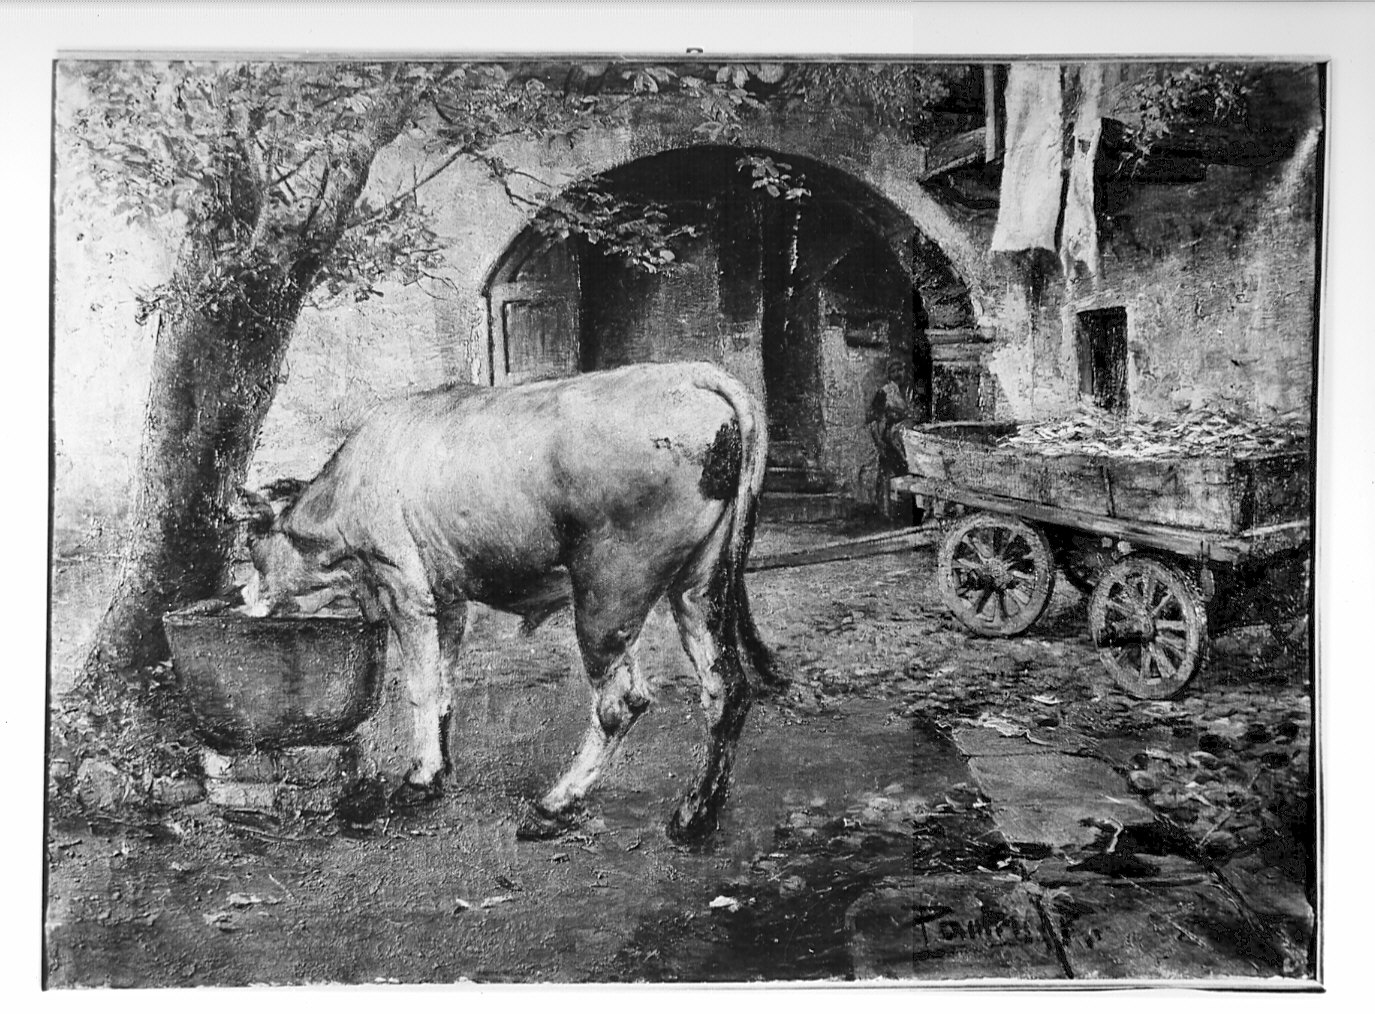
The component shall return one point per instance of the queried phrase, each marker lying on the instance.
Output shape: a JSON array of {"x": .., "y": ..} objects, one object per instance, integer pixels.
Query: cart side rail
[{"x": 1198, "y": 544}]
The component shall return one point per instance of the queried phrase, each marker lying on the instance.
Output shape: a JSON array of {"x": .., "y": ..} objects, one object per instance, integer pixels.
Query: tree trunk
[
  {"x": 216, "y": 368},
  {"x": 210, "y": 392}
]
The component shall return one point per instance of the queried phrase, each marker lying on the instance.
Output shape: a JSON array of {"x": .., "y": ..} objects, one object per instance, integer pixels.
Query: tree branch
[
  {"x": 382, "y": 211},
  {"x": 501, "y": 172},
  {"x": 450, "y": 159},
  {"x": 343, "y": 183},
  {"x": 273, "y": 184},
  {"x": 316, "y": 202}
]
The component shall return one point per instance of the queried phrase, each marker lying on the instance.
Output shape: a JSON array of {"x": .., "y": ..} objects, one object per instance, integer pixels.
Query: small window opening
[{"x": 1102, "y": 341}]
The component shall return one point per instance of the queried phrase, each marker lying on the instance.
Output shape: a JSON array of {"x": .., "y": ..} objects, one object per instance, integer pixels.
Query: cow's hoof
[
  {"x": 409, "y": 795},
  {"x": 538, "y": 824},
  {"x": 363, "y": 803},
  {"x": 692, "y": 829},
  {"x": 773, "y": 690}
]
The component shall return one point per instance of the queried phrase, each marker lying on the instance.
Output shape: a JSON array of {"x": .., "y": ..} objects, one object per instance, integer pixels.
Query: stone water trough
[{"x": 273, "y": 683}]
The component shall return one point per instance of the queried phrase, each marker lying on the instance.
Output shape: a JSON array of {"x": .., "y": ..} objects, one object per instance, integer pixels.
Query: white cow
[{"x": 608, "y": 489}]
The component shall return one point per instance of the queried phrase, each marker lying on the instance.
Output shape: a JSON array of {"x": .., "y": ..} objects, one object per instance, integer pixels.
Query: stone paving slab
[
  {"x": 977, "y": 926},
  {"x": 1278, "y": 901},
  {"x": 1176, "y": 923},
  {"x": 1181, "y": 925},
  {"x": 980, "y": 742},
  {"x": 1084, "y": 916},
  {"x": 1054, "y": 799}
]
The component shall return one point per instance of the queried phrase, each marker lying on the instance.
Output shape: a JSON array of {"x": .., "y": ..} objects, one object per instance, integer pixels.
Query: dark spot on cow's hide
[{"x": 721, "y": 464}]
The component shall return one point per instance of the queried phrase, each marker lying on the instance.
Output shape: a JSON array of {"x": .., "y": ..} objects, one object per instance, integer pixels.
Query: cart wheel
[
  {"x": 1148, "y": 622},
  {"x": 996, "y": 574}
]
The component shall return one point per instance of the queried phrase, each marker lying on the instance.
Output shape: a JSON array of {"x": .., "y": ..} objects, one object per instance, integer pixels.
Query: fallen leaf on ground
[
  {"x": 1000, "y": 725},
  {"x": 245, "y": 900},
  {"x": 222, "y": 921},
  {"x": 722, "y": 901}
]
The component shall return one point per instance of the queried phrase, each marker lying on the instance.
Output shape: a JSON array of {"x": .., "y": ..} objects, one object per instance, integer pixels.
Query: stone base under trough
[{"x": 292, "y": 780}]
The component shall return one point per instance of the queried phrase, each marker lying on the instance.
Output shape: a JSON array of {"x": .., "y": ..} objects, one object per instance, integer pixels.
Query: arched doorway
[{"x": 805, "y": 301}]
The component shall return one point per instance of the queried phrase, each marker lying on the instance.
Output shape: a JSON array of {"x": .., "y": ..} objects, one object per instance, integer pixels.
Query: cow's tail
[{"x": 737, "y": 620}]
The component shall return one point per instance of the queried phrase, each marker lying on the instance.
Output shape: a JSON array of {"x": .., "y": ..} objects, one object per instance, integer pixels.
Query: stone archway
[{"x": 805, "y": 301}]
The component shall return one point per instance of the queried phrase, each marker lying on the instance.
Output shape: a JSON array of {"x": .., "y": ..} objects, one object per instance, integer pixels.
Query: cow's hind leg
[
  {"x": 608, "y": 635},
  {"x": 707, "y": 636},
  {"x": 619, "y": 697},
  {"x": 452, "y": 621}
]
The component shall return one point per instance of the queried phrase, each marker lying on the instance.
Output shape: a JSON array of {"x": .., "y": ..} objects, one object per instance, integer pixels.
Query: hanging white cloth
[
  {"x": 1079, "y": 233},
  {"x": 1033, "y": 160}
]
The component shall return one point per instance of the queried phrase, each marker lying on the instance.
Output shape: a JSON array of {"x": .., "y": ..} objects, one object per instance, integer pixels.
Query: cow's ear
[
  {"x": 254, "y": 511},
  {"x": 288, "y": 490}
]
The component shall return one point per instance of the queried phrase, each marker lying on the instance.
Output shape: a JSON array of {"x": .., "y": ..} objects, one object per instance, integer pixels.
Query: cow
[{"x": 609, "y": 490}]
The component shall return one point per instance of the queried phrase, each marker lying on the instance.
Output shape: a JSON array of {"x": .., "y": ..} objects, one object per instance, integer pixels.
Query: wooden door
[{"x": 534, "y": 316}]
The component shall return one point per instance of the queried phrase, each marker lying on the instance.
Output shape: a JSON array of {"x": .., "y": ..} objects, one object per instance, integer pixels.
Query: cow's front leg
[{"x": 414, "y": 620}]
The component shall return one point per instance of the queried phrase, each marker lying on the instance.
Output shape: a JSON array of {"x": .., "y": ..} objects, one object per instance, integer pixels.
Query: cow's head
[{"x": 294, "y": 571}]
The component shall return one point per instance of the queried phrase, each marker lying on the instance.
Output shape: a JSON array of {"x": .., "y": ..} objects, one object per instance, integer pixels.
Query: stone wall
[{"x": 1217, "y": 279}]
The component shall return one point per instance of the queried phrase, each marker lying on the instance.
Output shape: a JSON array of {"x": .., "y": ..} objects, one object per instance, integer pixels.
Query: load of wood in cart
[{"x": 1200, "y": 433}]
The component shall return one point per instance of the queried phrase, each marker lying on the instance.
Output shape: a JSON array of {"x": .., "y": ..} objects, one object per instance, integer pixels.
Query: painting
[{"x": 684, "y": 518}]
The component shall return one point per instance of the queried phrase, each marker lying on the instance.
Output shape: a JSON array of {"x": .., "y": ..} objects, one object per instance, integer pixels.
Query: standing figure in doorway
[{"x": 896, "y": 402}]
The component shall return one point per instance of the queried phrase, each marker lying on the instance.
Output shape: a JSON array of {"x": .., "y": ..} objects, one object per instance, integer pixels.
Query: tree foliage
[
  {"x": 897, "y": 95},
  {"x": 241, "y": 153},
  {"x": 1179, "y": 98}
]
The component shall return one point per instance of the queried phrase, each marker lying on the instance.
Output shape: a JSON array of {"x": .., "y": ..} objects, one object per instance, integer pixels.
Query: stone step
[
  {"x": 788, "y": 454},
  {"x": 805, "y": 507},
  {"x": 797, "y": 480}
]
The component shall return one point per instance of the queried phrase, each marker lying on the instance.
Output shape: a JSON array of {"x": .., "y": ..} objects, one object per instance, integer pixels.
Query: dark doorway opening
[
  {"x": 1102, "y": 340},
  {"x": 791, "y": 350},
  {"x": 808, "y": 302}
]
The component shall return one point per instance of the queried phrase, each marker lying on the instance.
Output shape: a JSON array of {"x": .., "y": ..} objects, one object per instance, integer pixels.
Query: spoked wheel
[
  {"x": 1148, "y": 621},
  {"x": 996, "y": 574}
]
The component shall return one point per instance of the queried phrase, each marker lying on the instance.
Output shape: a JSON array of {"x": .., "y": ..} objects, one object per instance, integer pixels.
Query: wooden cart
[{"x": 1166, "y": 548}]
